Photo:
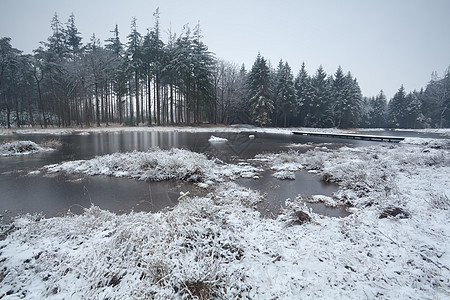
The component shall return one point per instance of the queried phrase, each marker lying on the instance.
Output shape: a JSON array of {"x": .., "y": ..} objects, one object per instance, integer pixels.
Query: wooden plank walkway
[{"x": 377, "y": 138}]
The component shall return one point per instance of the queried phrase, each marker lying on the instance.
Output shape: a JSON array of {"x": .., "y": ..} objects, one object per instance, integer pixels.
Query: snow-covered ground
[{"x": 395, "y": 244}]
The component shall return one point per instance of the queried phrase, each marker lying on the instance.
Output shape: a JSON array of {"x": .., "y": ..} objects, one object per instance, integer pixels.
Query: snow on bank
[
  {"x": 21, "y": 148},
  {"x": 217, "y": 246},
  {"x": 158, "y": 165},
  {"x": 116, "y": 128},
  {"x": 431, "y": 143}
]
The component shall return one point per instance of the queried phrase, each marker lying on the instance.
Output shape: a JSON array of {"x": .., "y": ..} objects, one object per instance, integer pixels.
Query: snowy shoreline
[
  {"x": 232, "y": 128},
  {"x": 393, "y": 245}
]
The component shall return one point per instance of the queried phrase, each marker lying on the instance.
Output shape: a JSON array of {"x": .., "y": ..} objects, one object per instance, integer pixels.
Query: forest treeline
[{"x": 146, "y": 80}]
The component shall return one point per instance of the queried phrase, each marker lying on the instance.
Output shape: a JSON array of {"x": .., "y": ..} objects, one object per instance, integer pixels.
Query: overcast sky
[{"x": 384, "y": 43}]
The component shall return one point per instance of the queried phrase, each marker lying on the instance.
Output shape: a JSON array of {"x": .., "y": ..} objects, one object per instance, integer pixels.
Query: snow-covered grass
[
  {"x": 158, "y": 165},
  {"x": 394, "y": 245},
  {"x": 23, "y": 148}
]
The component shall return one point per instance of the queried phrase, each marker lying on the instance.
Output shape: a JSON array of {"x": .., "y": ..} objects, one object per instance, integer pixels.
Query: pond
[{"x": 53, "y": 196}]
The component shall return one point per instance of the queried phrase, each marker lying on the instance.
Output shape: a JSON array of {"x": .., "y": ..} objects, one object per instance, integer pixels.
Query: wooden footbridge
[{"x": 377, "y": 138}]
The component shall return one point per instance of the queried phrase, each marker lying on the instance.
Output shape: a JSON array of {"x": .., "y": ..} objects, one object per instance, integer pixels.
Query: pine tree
[
  {"x": 9, "y": 63},
  {"x": 261, "y": 98},
  {"x": 339, "y": 98},
  {"x": 72, "y": 39},
  {"x": 203, "y": 66},
  {"x": 436, "y": 102},
  {"x": 303, "y": 90},
  {"x": 113, "y": 43},
  {"x": 153, "y": 59},
  {"x": 135, "y": 64},
  {"x": 352, "y": 107},
  {"x": 285, "y": 96},
  {"x": 412, "y": 110},
  {"x": 319, "y": 98},
  {"x": 56, "y": 42},
  {"x": 115, "y": 46},
  {"x": 397, "y": 109},
  {"x": 379, "y": 110}
]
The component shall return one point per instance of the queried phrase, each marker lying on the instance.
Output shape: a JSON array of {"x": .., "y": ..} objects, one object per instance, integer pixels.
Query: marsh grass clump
[
  {"x": 439, "y": 201},
  {"x": 394, "y": 212},
  {"x": 19, "y": 147},
  {"x": 22, "y": 148},
  {"x": 157, "y": 165},
  {"x": 51, "y": 143},
  {"x": 199, "y": 289}
]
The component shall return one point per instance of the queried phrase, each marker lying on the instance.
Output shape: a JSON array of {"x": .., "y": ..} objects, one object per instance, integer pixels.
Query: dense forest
[{"x": 146, "y": 80}]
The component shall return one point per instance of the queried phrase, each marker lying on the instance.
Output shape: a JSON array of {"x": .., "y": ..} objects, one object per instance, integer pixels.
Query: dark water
[
  {"x": 278, "y": 191},
  {"x": 23, "y": 193}
]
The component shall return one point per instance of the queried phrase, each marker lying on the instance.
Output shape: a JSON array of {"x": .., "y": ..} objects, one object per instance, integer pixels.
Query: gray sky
[{"x": 384, "y": 43}]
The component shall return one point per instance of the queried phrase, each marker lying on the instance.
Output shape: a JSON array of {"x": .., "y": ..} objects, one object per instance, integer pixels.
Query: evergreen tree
[
  {"x": 135, "y": 64},
  {"x": 56, "y": 42},
  {"x": 261, "y": 97},
  {"x": 436, "y": 102},
  {"x": 113, "y": 43},
  {"x": 303, "y": 90},
  {"x": 379, "y": 109},
  {"x": 119, "y": 72},
  {"x": 397, "y": 107},
  {"x": 319, "y": 99},
  {"x": 203, "y": 66},
  {"x": 153, "y": 59},
  {"x": 72, "y": 39},
  {"x": 9, "y": 63},
  {"x": 412, "y": 110},
  {"x": 366, "y": 110},
  {"x": 285, "y": 96},
  {"x": 339, "y": 98},
  {"x": 351, "y": 109}
]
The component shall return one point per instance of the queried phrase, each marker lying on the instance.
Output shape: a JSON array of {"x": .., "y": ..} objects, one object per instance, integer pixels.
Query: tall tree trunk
[
  {"x": 136, "y": 81},
  {"x": 97, "y": 105},
  {"x": 171, "y": 103},
  {"x": 158, "y": 101},
  {"x": 131, "y": 105},
  {"x": 120, "y": 107},
  {"x": 142, "y": 104},
  {"x": 149, "y": 93},
  {"x": 8, "y": 115},
  {"x": 30, "y": 111},
  {"x": 41, "y": 103},
  {"x": 106, "y": 103}
]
